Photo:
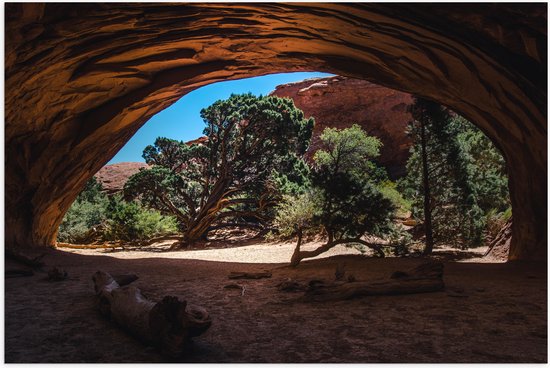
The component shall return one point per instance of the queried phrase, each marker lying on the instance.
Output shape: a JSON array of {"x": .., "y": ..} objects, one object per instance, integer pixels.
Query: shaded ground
[{"x": 489, "y": 313}]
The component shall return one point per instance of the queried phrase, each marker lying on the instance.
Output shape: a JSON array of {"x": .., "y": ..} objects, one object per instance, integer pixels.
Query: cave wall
[{"x": 80, "y": 79}]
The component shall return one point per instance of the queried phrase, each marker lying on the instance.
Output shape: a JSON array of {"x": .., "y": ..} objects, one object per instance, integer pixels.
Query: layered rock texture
[
  {"x": 340, "y": 102},
  {"x": 113, "y": 177},
  {"x": 80, "y": 79}
]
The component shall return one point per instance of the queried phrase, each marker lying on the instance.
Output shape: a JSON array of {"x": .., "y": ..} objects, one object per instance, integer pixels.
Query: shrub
[
  {"x": 86, "y": 213},
  {"x": 130, "y": 221},
  {"x": 389, "y": 190},
  {"x": 80, "y": 219},
  {"x": 94, "y": 216}
]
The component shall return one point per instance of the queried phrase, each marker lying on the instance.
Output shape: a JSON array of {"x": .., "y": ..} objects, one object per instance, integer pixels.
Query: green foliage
[
  {"x": 390, "y": 191},
  {"x": 87, "y": 211},
  {"x": 344, "y": 199},
  {"x": 348, "y": 151},
  {"x": 251, "y": 155},
  {"x": 495, "y": 221},
  {"x": 295, "y": 213},
  {"x": 466, "y": 175},
  {"x": 351, "y": 203},
  {"x": 486, "y": 168},
  {"x": 81, "y": 217},
  {"x": 130, "y": 221},
  {"x": 292, "y": 178},
  {"x": 95, "y": 215}
]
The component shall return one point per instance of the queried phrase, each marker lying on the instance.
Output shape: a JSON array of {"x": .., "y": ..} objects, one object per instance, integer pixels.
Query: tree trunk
[
  {"x": 169, "y": 324},
  {"x": 299, "y": 255},
  {"x": 426, "y": 186},
  {"x": 295, "y": 259},
  {"x": 425, "y": 278}
]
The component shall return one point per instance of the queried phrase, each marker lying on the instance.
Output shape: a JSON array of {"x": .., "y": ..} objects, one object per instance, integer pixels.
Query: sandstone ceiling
[{"x": 80, "y": 79}]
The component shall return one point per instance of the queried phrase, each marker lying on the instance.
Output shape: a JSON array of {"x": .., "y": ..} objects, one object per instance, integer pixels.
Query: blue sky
[{"x": 182, "y": 120}]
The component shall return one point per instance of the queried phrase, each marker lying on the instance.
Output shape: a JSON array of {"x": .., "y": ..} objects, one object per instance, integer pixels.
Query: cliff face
[
  {"x": 81, "y": 79},
  {"x": 113, "y": 177},
  {"x": 339, "y": 102}
]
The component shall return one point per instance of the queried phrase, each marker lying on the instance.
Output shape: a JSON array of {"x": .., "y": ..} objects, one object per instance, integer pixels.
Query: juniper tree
[
  {"x": 343, "y": 201},
  {"x": 250, "y": 142},
  {"x": 454, "y": 176}
]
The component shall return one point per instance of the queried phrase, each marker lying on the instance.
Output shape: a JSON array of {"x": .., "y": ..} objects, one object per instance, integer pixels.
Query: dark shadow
[{"x": 502, "y": 305}]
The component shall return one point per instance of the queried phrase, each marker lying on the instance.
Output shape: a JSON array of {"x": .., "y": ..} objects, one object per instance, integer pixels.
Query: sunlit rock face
[
  {"x": 80, "y": 79},
  {"x": 340, "y": 102},
  {"x": 113, "y": 177}
]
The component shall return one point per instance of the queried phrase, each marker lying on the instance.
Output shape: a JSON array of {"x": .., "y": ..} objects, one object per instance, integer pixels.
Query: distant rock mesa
[
  {"x": 113, "y": 177},
  {"x": 340, "y": 102}
]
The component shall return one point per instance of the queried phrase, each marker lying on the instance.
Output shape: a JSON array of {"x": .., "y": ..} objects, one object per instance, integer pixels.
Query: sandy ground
[
  {"x": 489, "y": 312},
  {"x": 254, "y": 253}
]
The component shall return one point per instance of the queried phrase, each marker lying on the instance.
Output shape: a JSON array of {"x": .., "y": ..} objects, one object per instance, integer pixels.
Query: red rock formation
[
  {"x": 499, "y": 248},
  {"x": 81, "y": 79},
  {"x": 113, "y": 177},
  {"x": 199, "y": 140},
  {"x": 339, "y": 102}
]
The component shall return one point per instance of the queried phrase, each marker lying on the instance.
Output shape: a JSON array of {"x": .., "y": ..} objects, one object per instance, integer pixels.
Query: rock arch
[{"x": 82, "y": 78}]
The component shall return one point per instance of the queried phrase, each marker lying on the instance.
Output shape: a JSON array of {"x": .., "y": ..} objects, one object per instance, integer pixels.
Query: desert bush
[
  {"x": 87, "y": 212},
  {"x": 130, "y": 221},
  {"x": 343, "y": 200},
  {"x": 82, "y": 217},
  {"x": 94, "y": 216},
  {"x": 389, "y": 190}
]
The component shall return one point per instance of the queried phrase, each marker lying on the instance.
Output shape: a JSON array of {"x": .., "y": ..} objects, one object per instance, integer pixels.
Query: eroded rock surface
[
  {"x": 81, "y": 79},
  {"x": 340, "y": 102},
  {"x": 113, "y": 177}
]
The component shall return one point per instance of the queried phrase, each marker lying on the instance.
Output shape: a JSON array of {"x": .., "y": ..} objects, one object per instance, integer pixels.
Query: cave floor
[{"x": 489, "y": 312}]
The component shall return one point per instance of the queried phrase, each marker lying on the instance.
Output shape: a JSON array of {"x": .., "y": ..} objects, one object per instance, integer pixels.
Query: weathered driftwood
[
  {"x": 125, "y": 279},
  {"x": 159, "y": 239},
  {"x": 249, "y": 275},
  {"x": 88, "y": 246},
  {"x": 169, "y": 324},
  {"x": 425, "y": 278}
]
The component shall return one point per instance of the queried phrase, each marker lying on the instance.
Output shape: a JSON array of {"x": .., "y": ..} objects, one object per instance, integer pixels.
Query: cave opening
[
  {"x": 99, "y": 216},
  {"x": 81, "y": 79}
]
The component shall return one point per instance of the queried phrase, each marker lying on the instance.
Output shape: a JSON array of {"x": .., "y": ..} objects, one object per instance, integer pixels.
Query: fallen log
[
  {"x": 125, "y": 279},
  {"x": 249, "y": 275},
  {"x": 159, "y": 239},
  {"x": 425, "y": 278},
  {"x": 90, "y": 246},
  {"x": 169, "y": 324}
]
